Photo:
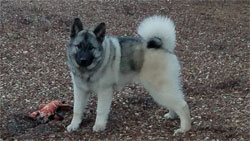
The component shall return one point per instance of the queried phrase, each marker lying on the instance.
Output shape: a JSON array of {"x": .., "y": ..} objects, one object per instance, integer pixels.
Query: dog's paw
[
  {"x": 178, "y": 131},
  {"x": 99, "y": 127},
  {"x": 170, "y": 116},
  {"x": 72, "y": 127}
]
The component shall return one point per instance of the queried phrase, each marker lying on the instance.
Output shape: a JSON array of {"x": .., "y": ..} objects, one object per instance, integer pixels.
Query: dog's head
[{"x": 85, "y": 46}]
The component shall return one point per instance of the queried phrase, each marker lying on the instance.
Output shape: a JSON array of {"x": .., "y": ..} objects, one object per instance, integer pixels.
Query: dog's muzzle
[{"x": 84, "y": 59}]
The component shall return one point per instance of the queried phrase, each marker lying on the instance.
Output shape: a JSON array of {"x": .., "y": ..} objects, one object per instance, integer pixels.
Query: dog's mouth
[
  {"x": 94, "y": 63},
  {"x": 97, "y": 60}
]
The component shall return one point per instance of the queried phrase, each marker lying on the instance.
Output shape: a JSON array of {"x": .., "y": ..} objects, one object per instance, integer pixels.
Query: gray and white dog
[{"x": 100, "y": 63}]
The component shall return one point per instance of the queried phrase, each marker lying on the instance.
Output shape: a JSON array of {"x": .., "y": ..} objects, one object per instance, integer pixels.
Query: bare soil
[{"x": 213, "y": 46}]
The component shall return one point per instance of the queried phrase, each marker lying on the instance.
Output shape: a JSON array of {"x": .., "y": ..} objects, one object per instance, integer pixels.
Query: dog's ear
[
  {"x": 99, "y": 32},
  {"x": 76, "y": 27}
]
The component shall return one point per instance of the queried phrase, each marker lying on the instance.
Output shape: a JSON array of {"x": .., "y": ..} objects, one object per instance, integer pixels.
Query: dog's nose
[{"x": 83, "y": 61}]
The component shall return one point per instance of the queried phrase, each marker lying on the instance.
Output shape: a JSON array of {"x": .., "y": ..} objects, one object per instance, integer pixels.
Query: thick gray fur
[{"x": 100, "y": 64}]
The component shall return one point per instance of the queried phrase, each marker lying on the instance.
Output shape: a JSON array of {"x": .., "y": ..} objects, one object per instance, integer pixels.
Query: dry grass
[{"x": 213, "y": 45}]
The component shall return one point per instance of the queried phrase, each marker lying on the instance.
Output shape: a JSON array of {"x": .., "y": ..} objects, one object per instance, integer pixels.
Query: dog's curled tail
[{"x": 159, "y": 32}]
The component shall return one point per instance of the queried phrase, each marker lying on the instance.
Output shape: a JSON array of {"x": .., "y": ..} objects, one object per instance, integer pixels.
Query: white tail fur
[{"x": 161, "y": 27}]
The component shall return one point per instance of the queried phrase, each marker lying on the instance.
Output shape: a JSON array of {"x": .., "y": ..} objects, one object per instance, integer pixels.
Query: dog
[{"x": 101, "y": 63}]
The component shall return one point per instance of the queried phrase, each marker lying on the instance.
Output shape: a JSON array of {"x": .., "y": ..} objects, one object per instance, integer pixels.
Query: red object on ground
[{"x": 49, "y": 111}]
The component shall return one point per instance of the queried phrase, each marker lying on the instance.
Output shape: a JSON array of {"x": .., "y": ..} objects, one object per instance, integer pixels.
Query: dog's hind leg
[
  {"x": 183, "y": 111},
  {"x": 177, "y": 106},
  {"x": 167, "y": 92},
  {"x": 160, "y": 76}
]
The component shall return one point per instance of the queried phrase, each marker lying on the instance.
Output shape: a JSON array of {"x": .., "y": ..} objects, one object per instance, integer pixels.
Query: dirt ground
[{"x": 213, "y": 46}]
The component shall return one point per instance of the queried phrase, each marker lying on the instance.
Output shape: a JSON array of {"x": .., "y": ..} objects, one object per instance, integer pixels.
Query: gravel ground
[{"x": 213, "y": 46}]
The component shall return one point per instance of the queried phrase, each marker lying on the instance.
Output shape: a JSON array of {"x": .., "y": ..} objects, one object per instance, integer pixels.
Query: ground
[{"x": 213, "y": 46}]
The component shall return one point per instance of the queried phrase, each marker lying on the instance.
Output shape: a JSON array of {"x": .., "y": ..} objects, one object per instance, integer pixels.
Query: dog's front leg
[
  {"x": 81, "y": 97},
  {"x": 103, "y": 108}
]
